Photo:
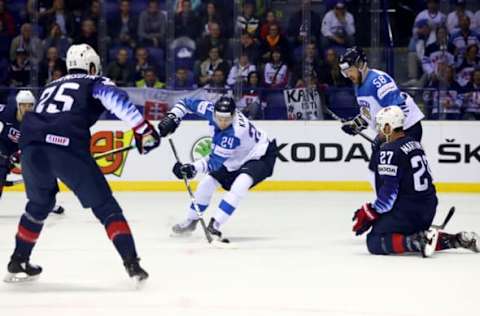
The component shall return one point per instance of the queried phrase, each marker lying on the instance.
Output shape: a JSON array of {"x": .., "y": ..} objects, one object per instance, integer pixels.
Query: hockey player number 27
[
  {"x": 420, "y": 182},
  {"x": 63, "y": 101}
]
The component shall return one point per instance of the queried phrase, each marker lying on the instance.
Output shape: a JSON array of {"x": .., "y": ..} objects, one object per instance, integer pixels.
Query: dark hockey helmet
[
  {"x": 224, "y": 107},
  {"x": 353, "y": 57},
  {"x": 224, "y": 111}
]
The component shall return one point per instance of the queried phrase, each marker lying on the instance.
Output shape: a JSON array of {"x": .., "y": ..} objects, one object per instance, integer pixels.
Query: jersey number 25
[{"x": 63, "y": 101}]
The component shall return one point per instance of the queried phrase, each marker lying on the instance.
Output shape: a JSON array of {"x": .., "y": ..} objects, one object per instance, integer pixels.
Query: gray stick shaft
[{"x": 190, "y": 193}]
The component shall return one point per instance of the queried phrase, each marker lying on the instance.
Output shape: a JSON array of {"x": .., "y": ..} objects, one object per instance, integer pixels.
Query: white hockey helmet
[
  {"x": 25, "y": 96},
  {"x": 83, "y": 56},
  {"x": 391, "y": 115}
]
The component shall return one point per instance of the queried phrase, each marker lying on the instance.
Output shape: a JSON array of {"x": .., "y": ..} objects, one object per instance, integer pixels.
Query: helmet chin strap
[{"x": 363, "y": 71}]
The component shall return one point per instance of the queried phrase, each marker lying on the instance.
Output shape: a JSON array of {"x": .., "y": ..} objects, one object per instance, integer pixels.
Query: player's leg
[
  {"x": 230, "y": 202},
  {"x": 3, "y": 177},
  {"x": 403, "y": 230},
  {"x": 466, "y": 240},
  {"x": 94, "y": 192},
  {"x": 41, "y": 188},
  {"x": 203, "y": 195},
  {"x": 249, "y": 175}
]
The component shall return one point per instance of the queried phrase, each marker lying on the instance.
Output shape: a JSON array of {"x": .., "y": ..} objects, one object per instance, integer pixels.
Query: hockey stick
[
  {"x": 446, "y": 220},
  {"x": 190, "y": 193},
  {"x": 338, "y": 118},
  {"x": 113, "y": 151},
  {"x": 11, "y": 183}
]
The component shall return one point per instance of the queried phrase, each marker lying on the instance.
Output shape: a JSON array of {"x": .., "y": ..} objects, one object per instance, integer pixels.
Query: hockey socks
[
  {"x": 28, "y": 232},
  {"x": 119, "y": 233},
  {"x": 232, "y": 199},
  {"x": 384, "y": 244}
]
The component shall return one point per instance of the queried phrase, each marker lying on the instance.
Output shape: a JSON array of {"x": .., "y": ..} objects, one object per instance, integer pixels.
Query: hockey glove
[
  {"x": 181, "y": 170},
  {"x": 364, "y": 218},
  {"x": 355, "y": 125},
  {"x": 169, "y": 124},
  {"x": 146, "y": 137},
  {"x": 15, "y": 160}
]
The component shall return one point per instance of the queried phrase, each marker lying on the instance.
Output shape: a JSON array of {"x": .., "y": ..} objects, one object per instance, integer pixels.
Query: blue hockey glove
[
  {"x": 168, "y": 124},
  {"x": 355, "y": 125},
  {"x": 146, "y": 137},
  {"x": 187, "y": 170},
  {"x": 364, "y": 218}
]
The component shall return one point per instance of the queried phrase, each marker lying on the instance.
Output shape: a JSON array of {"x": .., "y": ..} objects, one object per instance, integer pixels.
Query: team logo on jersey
[
  {"x": 104, "y": 141},
  {"x": 201, "y": 148},
  {"x": 365, "y": 109}
]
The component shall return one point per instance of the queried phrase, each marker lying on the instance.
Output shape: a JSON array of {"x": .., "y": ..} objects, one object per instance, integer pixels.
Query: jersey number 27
[{"x": 62, "y": 102}]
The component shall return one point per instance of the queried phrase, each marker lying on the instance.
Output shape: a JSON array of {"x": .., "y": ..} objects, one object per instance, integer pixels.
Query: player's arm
[
  {"x": 117, "y": 102},
  {"x": 213, "y": 162},
  {"x": 390, "y": 174},
  {"x": 170, "y": 122}
]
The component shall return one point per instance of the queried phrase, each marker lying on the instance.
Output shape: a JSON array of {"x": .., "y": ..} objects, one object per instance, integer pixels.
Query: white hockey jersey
[
  {"x": 379, "y": 90},
  {"x": 231, "y": 147}
]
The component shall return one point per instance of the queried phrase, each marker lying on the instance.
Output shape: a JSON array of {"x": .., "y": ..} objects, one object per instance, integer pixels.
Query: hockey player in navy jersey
[
  {"x": 374, "y": 90},
  {"x": 241, "y": 157},
  {"x": 401, "y": 216},
  {"x": 10, "y": 119},
  {"x": 55, "y": 144}
]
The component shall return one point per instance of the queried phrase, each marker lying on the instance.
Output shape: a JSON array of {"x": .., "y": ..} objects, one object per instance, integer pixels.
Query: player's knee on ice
[{"x": 374, "y": 244}]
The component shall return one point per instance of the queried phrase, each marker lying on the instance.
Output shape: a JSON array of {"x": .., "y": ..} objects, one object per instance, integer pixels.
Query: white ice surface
[{"x": 293, "y": 254}]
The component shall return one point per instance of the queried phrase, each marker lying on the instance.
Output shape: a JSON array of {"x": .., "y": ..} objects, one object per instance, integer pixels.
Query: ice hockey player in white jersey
[
  {"x": 374, "y": 90},
  {"x": 241, "y": 157}
]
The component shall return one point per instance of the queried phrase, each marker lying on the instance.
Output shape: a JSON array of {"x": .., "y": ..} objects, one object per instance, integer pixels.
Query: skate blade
[
  {"x": 222, "y": 243},
  {"x": 19, "y": 278},
  {"x": 138, "y": 282}
]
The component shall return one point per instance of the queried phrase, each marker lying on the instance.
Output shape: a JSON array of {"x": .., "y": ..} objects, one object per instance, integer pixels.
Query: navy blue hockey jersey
[
  {"x": 69, "y": 106},
  {"x": 402, "y": 176},
  {"x": 9, "y": 130}
]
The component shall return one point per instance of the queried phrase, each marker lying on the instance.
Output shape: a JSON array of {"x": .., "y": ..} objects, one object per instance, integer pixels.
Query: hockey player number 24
[{"x": 63, "y": 101}]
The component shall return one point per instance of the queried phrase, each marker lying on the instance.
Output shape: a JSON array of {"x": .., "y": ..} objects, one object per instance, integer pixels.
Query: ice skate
[
  {"x": 58, "y": 209},
  {"x": 213, "y": 229},
  {"x": 21, "y": 271},
  {"x": 468, "y": 240},
  {"x": 426, "y": 241},
  {"x": 186, "y": 227},
  {"x": 135, "y": 271}
]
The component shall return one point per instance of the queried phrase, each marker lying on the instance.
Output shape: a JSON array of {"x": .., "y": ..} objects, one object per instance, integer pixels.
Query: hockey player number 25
[
  {"x": 63, "y": 101},
  {"x": 420, "y": 182}
]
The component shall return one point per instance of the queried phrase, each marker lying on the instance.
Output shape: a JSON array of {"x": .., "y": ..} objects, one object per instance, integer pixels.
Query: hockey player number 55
[
  {"x": 63, "y": 101},
  {"x": 420, "y": 182}
]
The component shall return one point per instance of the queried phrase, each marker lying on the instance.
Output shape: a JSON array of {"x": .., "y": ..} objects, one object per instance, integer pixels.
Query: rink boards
[{"x": 313, "y": 155}]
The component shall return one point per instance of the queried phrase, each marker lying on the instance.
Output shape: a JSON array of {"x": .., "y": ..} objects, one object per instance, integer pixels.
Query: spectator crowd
[{"x": 259, "y": 50}]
